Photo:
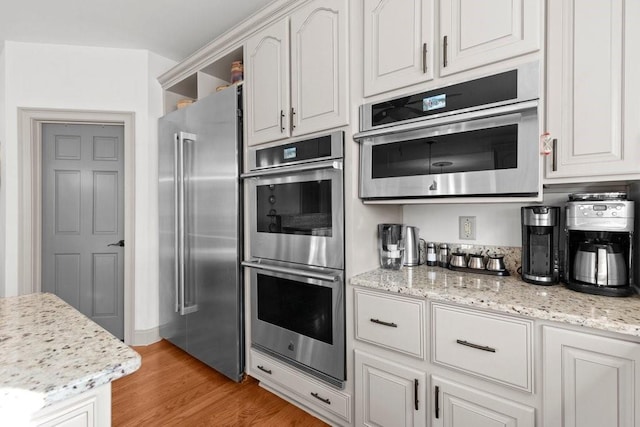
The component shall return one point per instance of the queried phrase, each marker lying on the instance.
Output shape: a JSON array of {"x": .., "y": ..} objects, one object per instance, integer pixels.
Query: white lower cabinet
[
  {"x": 332, "y": 404},
  {"x": 458, "y": 405},
  {"x": 388, "y": 393},
  {"x": 590, "y": 380},
  {"x": 89, "y": 409}
]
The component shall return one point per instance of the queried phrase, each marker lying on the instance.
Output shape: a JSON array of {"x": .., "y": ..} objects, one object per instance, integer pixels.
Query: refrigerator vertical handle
[
  {"x": 177, "y": 184},
  {"x": 184, "y": 309}
]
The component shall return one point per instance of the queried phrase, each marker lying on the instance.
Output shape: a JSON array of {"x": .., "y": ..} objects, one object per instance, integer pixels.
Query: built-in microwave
[{"x": 475, "y": 138}]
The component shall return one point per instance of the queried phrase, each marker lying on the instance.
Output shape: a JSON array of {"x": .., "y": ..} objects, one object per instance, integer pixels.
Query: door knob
[{"x": 119, "y": 243}]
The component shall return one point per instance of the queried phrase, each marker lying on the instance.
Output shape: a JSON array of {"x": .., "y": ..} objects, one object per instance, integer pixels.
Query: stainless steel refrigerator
[{"x": 200, "y": 206}]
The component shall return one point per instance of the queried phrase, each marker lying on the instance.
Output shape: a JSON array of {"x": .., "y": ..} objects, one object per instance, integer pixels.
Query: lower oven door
[
  {"x": 297, "y": 214},
  {"x": 297, "y": 315},
  {"x": 479, "y": 154}
]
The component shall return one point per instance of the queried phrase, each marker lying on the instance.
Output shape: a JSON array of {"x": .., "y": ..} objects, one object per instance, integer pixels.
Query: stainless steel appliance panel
[
  {"x": 201, "y": 275},
  {"x": 297, "y": 314},
  {"x": 313, "y": 203},
  {"x": 436, "y": 181}
]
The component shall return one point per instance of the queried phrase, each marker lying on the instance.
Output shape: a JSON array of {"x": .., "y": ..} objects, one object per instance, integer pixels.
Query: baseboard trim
[{"x": 146, "y": 337}]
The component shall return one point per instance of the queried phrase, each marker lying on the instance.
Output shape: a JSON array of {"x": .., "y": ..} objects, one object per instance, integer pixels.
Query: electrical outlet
[{"x": 467, "y": 225}]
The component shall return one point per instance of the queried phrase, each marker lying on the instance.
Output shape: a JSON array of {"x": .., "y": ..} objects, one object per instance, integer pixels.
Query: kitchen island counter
[
  {"x": 509, "y": 295},
  {"x": 50, "y": 352}
]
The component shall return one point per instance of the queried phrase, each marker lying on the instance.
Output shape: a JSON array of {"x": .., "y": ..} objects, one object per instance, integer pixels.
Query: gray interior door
[{"x": 83, "y": 219}]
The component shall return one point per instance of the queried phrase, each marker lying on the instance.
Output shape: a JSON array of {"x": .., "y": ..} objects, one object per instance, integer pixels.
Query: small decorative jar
[{"x": 237, "y": 71}]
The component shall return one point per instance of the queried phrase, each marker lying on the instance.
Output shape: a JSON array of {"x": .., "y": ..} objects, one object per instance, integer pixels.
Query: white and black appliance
[
  {"x": 296, "y": 231},
  {"x": 599, "y": 251},
  {"x": 475, "y": 138}
]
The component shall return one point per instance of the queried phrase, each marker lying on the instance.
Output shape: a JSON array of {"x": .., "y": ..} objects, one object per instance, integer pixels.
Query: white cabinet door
[
  {"x": 458, "y": 405},
  {"x": 589, "y": 381},
  {"x": 475, "y": 33},
  {"x": 388, "y": 394},
  {"x": 319, "y": 66},
  {"x": 267, "y": 84},
  {"x": 398, "y": 44},
  {"x": 593, "y": 101}
]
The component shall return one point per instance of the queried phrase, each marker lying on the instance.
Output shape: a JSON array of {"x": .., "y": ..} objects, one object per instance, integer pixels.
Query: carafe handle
[{"x": 601, "y": 269}]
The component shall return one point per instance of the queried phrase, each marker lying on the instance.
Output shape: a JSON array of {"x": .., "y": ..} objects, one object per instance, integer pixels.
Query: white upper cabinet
[
  {"x": 268, "y": 83},
  {"x": 296, "y": 81},
  {"x": 398, "y": 44},
  {"x": 475, "y": 33},
  {"x": 593, "y": 101}
]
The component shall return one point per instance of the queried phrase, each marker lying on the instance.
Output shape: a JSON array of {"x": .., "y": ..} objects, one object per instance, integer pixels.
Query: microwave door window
[
  {"x": 295, "y": 208},
  {"x": 478, "y": 150}
]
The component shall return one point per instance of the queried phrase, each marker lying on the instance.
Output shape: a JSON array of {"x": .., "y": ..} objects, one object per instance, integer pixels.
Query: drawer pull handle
[
  {"x": 476, "y": 346},
  {"x": 322, "y": 399},
  {"x": 263, "y": 369},
  {"x": 381, "y": 322}
]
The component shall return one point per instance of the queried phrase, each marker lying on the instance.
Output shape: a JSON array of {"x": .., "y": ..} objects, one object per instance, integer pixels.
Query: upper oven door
[
  {"x": 297, "y": 214},
  {"x": 469, "y": 155}
]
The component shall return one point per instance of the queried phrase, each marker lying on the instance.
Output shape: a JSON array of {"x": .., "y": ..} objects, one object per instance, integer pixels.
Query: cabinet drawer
[
  {"x": 391, "y": 321},
  {"x": 310, "y": 391},
  {"x": 495, "y": 347}
]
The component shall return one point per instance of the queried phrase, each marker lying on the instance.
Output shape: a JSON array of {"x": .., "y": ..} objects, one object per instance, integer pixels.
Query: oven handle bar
[
  {"x": 292, "y": 271},
  {"x": 448, "y": 119},
  {"x": 326, "y": 164}
]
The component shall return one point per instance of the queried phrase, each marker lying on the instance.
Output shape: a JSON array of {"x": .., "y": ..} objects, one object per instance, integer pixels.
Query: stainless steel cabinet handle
[
  {"x": 554, "y": 163},
  {"x": 415, "y": 394},
  {"x": 281, "y": 121},
  {"x": 424, "y": 58},
  {"x": 182, "y": 137},
  {"x": 476, "y": 346},
  {"x": 285, "y": 170},
  {"x": 445, "y": 45},
  {"x": 263, "y": 369},
  {"x": 436, "y": 402},
  {"x": 176, "y": 224},
  {"x": 291, "y": 271},
  {"x": 293, "y": 119},
  {"x": 380, "y": 322},
  {"x": 322, "y": 399}
]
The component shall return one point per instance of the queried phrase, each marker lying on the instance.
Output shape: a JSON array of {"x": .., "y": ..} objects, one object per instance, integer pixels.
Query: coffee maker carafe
[
  {"x": 540, "y": 238},
  {"x": 599, "y": 244}
]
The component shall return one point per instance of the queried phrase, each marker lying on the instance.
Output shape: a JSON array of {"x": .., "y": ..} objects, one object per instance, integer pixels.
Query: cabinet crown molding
[{"x": 226, "y": 42}]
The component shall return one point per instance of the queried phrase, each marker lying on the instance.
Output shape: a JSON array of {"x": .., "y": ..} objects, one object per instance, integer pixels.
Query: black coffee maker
[{"x": 540, "y": 238}]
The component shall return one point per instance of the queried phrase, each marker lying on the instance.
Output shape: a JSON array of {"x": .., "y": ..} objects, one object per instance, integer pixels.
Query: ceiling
[{"x": 170, "y": 28}]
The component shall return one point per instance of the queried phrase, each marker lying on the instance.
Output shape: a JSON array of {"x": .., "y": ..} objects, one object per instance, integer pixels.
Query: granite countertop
[
  {"x": 49, "y": 351},
  {"x": 510, "y": 295}
]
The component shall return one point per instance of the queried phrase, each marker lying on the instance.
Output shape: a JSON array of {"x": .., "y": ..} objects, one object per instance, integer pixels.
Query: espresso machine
[
  {"x": 599, "y": 252},
  {"x": 540, "y": 239}
]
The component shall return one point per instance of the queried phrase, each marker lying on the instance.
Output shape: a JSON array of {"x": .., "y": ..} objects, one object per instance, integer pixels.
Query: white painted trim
[
  {"x": 228, "y": 41},
  {"x": 30, "y": 122},
  {"x": 146, "y": 337}
]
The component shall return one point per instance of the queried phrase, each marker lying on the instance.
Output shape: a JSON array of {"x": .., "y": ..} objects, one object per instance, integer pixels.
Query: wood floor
[{"x": 171, "y": 388}]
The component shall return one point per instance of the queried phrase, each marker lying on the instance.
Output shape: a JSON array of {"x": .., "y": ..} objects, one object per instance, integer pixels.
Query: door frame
[{"x": 30, "y": 121}]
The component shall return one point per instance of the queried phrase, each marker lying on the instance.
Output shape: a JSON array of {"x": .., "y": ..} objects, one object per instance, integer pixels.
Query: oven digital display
[
  {"x": 434, "y": 102},
  {"x": 289, "y": 153}
]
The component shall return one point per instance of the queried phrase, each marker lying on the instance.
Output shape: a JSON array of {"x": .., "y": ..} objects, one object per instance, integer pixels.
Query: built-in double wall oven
[{"x": 296, "y": 270}]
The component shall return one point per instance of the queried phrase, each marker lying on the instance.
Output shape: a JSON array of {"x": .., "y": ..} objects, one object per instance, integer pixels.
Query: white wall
[
  {"x": 88, "y": 78},
  {"x": 497, "y": 224}
]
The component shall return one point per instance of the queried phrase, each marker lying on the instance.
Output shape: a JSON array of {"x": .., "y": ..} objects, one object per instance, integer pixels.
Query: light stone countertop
[
  {"x": 49, "y": 351},
  {"x": 509, "y": 295}
]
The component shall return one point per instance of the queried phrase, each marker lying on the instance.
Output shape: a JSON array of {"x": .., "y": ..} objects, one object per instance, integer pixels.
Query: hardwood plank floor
[{"x": 172, "y": 388}]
